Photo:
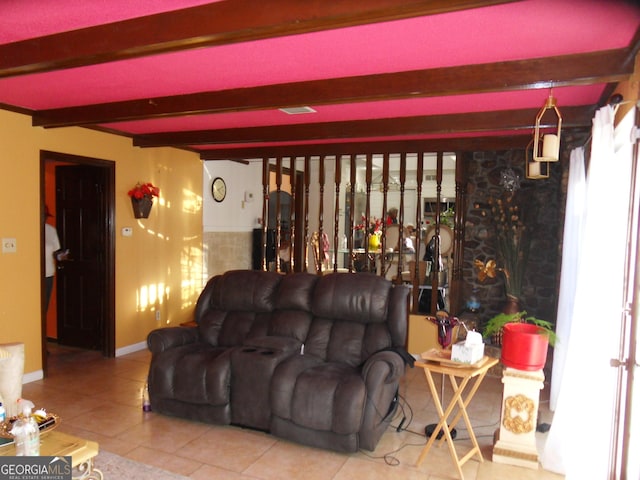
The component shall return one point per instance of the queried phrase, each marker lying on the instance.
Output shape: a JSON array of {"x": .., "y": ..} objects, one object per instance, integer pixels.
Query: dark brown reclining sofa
[{"x": 313, "y": 359}]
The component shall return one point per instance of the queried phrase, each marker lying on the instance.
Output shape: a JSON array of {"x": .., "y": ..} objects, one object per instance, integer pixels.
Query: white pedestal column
[{"x": 515, "y": 442}]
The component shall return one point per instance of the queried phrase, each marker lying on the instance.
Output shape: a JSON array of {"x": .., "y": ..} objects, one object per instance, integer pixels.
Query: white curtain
[
  {"x": 573, "y": 224},
  {"x": 580, "y": 436}
]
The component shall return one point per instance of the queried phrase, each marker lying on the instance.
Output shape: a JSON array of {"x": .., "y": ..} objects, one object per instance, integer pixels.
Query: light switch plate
[{"x": 9, "y": 245}]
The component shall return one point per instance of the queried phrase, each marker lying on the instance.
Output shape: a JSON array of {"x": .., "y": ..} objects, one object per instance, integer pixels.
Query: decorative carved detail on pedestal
[
  {"x": 515, "y": 423},
  {"x": 519, "y": 455}
]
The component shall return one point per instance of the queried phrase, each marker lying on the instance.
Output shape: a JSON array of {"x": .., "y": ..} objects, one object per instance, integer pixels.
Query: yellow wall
[{"x": 159, "y": 267}]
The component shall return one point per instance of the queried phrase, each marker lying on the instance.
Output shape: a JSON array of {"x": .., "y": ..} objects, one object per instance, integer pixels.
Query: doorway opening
[{"x": 78, "y": 195}]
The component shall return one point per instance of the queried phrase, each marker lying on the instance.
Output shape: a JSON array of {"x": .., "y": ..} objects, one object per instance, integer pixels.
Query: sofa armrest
[
  {"x": 275, "y": 344},
  {"x": 386, "y": 366},
  {"x": 163, "y": 339}
]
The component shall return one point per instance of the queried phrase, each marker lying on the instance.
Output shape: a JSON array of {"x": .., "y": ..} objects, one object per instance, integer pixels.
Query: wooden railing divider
[
  {"x": 455, "y": 283},
  {"x": 292, "y": 224},
  {"x": 385, "y": 194},
  {"x": 415, "y": 275},
  {"x": 435, "y": 267},
  {"x": 265, "y": 209},
  {"x": 336, "y": 213},
  {"x": 321, "y": 178},
  {"x": 307, "y": 185},
  {"x": 301, "y": 190},
  {"x": 401, "y": 246},
  {"x": 278, "y": 240},
  {"x": 352, "y": 200},
  {"x": 367, "y": 210}
]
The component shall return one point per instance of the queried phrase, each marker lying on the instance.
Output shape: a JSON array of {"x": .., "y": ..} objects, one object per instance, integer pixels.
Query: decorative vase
[
  {"x": 512, "y": 305},
  {"x": 524, "y": 346},
  {"x": 374, "y": 242},
  {"x": 141, "y": 206}
]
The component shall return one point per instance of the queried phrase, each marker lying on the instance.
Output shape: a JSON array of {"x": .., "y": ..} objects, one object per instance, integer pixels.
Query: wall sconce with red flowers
[{"x": 142, "y": 199}]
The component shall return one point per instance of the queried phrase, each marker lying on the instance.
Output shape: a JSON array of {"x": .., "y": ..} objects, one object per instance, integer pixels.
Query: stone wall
[{"x": 545, "y": 200}]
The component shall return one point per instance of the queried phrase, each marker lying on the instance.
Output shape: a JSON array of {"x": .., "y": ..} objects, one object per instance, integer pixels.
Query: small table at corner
[
  {"x": 58, "y": 444},
  {"x": 465, "y": 374}
]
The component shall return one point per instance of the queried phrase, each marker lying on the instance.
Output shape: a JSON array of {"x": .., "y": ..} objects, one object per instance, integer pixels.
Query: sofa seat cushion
[
  {"x": 319, "y": 395},
  {"x": 198, "y": 373}
]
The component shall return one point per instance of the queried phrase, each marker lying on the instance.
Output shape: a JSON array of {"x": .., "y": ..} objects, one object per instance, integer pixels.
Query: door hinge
[{"x": 614, "y": 362}]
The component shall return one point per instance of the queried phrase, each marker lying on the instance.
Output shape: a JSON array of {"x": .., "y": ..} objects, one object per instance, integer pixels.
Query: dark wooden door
[{"x": 82, "y": 228}]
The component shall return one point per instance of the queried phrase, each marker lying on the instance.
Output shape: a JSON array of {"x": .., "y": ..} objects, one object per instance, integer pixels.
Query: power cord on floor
[
  {"x": 407, "y": 414},
  {"x": 404, "y": 417},
  {"x": 389, "y": 457}
]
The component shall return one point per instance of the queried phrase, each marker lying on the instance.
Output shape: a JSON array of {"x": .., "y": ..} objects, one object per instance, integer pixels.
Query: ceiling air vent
[{"x": 297, "y": 110}]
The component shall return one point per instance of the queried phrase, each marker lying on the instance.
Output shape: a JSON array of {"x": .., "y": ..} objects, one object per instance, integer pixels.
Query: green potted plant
[{"x": 525, "y": 339}]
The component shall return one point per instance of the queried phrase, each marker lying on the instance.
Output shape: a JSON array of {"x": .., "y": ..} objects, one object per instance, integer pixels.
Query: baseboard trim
[
  {"x": 32, "y": 376},
  {"x": 39, "y": 374},
  {"x": 136, "y": 347}
]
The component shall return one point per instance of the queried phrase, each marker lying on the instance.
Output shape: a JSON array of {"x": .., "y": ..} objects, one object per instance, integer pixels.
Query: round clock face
[{"x": 218, "y": 189}]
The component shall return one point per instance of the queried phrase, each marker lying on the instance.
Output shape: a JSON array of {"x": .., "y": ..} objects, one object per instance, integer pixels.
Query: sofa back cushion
[
  {"x": 340, "y": 317},
  {"x": 245, "y": 304},
  {"x": 234, "y": 304},
  {"x": 351, "y": 318},
  {"x": 361, "y": 298},
  {"x": 245, "y": 290}
]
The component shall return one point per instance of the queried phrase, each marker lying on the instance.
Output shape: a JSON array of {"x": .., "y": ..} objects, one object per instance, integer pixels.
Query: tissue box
[{"x": 463, "y": 353}]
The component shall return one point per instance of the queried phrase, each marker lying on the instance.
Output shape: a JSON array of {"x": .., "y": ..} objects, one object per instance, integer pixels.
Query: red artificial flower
[
  {"x": 142, "y": 190},
  {"x": 375, "y": 225}
]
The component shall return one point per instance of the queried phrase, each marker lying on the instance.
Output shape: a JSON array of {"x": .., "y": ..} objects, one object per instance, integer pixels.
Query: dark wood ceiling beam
[
  {"x": 560, "y": 71},
  {"x": 435, "y": 124},
  {"x": 406, "y": 146},
  {"x": 213, "y": 24}
]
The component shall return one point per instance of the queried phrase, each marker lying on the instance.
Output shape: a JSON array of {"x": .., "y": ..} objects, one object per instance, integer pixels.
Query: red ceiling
[{"x": 512, "y": 31}]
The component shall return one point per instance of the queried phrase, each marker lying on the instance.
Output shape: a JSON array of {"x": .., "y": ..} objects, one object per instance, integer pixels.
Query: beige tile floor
[{"x": 100, "y": 399}]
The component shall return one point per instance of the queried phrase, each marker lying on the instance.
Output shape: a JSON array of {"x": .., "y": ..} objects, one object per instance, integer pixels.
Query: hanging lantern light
[
  {"x": 534, "y": 170},
  {"x": 547, "y": 148}
]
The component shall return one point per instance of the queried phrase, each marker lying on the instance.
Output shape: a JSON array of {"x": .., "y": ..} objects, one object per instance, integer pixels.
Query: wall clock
[{"x": 218, "y": 189}]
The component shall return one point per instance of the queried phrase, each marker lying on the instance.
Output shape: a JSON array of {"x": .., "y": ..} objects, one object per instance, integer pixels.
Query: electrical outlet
[{"x": 157, "y": 315}]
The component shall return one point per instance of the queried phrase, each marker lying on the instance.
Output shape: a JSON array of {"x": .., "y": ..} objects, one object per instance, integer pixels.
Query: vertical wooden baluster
[
  {"x": 292, "y": 209},
  {"x": 265, "y": 209},
  {"x": 352, "y": 213},
  {"x": 403, "y": 179},
  {"x": 321, "y": 213},
  {"x": 336, "y": 214},
  {"x": 436, "y": 267},
  {"x": 367, "y": 210},
  {"x": 385, "y": 192},
  {"x": 455, "y": 283},
  {"x": 415, "y": 275},
  {"x": 307, "y": 185},
  {"x": 278, "y": 211}
]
